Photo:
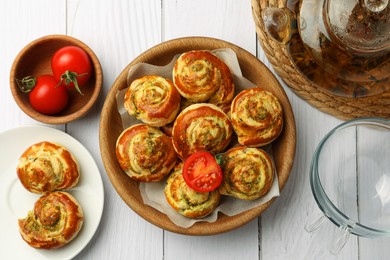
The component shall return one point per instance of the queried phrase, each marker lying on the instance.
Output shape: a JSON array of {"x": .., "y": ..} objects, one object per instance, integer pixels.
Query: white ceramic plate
[{"x": 16, "y": 201}]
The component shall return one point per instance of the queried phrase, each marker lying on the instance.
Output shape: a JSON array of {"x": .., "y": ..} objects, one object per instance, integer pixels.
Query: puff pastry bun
[
  {"x": 152, "y": 99},
  {"x": 201, "y": 126},
  {"x": 187, "y": 201},
  {"x": 247, "y": 173},
  {"x": 201, "y": 76},
  {"x": 145, "y": 153},
  {"x": 56, "y": 219},
  {"x": 256, "y": 116},
  {"x": 46, "y": 166}
]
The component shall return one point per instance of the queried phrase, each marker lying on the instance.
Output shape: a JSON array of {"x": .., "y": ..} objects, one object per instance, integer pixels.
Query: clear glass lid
[
  {"x": 350, "y": 176},
  {"x": 359, "y": 26}
]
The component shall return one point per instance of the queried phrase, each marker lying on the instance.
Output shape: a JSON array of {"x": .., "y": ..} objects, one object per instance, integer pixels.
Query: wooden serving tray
[{"x": 111, "y": 127}]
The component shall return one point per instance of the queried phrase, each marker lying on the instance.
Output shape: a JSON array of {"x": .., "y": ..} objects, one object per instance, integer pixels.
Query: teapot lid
[{"x": 361, "y": 26}]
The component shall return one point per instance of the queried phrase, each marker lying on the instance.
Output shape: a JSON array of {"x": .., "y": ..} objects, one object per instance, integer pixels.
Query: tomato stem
[
  {"x": 219, "y": 158},
  {"x": 70, "y": 76},
  {"x": 26, "y": 84}
]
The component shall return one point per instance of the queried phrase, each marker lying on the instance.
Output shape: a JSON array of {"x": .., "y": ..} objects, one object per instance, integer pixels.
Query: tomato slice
[{"x": 202, "y": 172}]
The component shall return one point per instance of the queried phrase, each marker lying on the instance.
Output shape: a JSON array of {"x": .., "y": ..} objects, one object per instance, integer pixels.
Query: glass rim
[{"x": 323, "y": 201}]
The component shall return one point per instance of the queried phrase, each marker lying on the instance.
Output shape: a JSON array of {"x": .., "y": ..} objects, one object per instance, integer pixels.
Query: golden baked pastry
[
  {"x": 257, "y": 117},
  {"x": 247, "y": 173},
  {"x": 56, "y": 220},
  {"x": 46, "y": 166},
  {"x": 187, "y": 201},
  {"x": 153, "y": 100},
  {"x": 201, "y": 126},
  {"x": 145, "y": 153},
  {"x": 201, "y": 76}
]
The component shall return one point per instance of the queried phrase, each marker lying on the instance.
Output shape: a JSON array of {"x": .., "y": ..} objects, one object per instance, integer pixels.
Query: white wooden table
[{"x": 120, "y": 30}]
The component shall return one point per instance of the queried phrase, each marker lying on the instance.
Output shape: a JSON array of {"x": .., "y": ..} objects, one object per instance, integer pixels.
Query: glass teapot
[{"x": 341, "y": 46}]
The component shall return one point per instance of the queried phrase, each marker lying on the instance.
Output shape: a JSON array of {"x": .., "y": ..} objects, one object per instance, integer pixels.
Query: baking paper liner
[{"x": 153, "y": 193}]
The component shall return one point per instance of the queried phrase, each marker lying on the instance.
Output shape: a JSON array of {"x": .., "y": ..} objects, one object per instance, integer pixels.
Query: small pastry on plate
[
  {"x": 56, "y": 220},
  {"x": 186, "y": 201},
  {"x": 201, "y": 126},
  {"x": 145, "y": 153},
  {"x": 248, "y": 173},
  {"x": 200, "y": 75},
  {"x": 45, "y": 167},
  {"x": 257, "y": 117},
  {"x": 153, "y": 100}
]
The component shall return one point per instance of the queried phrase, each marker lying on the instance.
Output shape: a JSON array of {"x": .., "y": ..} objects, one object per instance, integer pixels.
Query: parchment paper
[{"x": 153, "y": 193}]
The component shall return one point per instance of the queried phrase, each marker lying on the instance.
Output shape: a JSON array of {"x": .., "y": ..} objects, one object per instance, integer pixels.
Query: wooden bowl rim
[
  {"x": 52, "y": 119},
  {"x": 223, "y": 223}
]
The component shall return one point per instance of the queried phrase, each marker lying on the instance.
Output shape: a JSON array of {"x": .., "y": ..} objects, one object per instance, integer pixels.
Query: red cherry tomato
[
  {"x": 48, "y": 96},
  {"x": 72, "y": 66},
  {"x": 202, "y": 172}
]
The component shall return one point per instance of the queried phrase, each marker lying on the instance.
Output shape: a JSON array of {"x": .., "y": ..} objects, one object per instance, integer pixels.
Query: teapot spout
[{"x": 280, "y": 23}]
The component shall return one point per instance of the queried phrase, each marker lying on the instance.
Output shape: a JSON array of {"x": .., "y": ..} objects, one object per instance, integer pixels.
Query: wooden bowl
[
  {"x": 34, "y": 60},
  {"x": 111, "y": 127}
]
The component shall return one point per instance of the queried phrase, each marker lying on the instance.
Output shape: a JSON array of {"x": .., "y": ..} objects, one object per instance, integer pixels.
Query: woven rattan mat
[{"x": 341, "y": 107}]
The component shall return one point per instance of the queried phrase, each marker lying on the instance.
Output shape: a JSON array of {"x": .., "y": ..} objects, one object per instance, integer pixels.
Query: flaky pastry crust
[
  {"x": 201, "y": 76},
  {"x": 257, "y": 117},
  {"x": 56, "y": 220},
  {"x": 145, "y": 153},
  {"x": 248, "y": 173},
  {"x": 201, "y": 126},
  {"x": 45, "y": 167},
  {"x": 187, "y": 201},
  {"x": 153, "y": 100}
]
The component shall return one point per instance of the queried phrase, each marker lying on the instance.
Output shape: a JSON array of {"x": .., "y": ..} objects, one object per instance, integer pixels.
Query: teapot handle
[{"x": 279, "y": 22}]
